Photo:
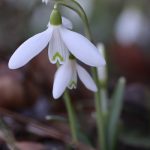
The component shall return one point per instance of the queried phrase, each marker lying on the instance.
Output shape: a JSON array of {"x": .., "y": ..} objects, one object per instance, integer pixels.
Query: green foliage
[{"x": 114, "y": 114}]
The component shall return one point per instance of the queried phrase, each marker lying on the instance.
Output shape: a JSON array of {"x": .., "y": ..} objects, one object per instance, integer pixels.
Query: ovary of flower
[
  {"x": 66, "y": 76},
  {"x": 61, "y": 41}
]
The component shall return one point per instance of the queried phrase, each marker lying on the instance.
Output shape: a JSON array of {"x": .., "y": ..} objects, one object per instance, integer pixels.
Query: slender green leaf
[
  {"x": 55, "y": 118},
  {"x": 7, "y": 135},
  {"x": 114, "y": 113},
  {"x": 135, "y": 139}
]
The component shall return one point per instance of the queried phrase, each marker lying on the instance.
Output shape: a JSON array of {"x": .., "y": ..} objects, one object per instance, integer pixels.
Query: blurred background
[{"x": 27, "y": 108}]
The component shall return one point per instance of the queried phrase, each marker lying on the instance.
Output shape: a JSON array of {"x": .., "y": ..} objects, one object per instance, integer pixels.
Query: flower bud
[{"x": 102, "y": 71}]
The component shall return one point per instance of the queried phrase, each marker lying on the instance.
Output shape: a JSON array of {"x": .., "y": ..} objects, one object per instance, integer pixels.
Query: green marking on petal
[
  {"x": 58, "y": 56},
  {"x": 72, "y": 85}
]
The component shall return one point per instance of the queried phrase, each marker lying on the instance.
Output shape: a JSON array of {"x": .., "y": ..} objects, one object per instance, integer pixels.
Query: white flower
[
  {"x": 61, "y": 42},
  {"x": 45, "y": 1},
  {"x": 66, "y": 76},
  {"x": 34, "y": 45},
  {"x": 129, "y": 26},
  {"x": 102, "y": 70}
]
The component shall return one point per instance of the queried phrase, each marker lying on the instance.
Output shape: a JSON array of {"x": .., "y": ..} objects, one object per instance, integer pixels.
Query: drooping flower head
[
  {"x": 72, "y": 71},
  {"x": 61, "y": 41}
]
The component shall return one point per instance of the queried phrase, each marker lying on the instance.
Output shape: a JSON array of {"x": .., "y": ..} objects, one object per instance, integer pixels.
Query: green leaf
[
  {"x": 7, "y": 135},
  {"x": 55, "y": 118},
  {"x": 114, "y": 113},
  {"x": 135, "y": 139}
]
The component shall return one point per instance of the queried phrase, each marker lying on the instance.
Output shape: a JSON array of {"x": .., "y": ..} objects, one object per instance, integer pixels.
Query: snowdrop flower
[
  {"x": 102, "y": 70},
  {"x": 45, "y": 1},
  {"x": 129, "y": 26},
  {"x": 61, "y": 41},
  {"x": 66, "y": 76}
]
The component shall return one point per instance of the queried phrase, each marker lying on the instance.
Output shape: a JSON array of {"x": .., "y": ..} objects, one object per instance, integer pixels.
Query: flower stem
[
  {"x": 71, "y": 115},
  {"x": 75, "y": 6},
  {"x": 99, "y": 114},
  {"x": 8, "y": 135},
  {"x": 99, "y": 103},
  {"x": 72, "y": 119}
]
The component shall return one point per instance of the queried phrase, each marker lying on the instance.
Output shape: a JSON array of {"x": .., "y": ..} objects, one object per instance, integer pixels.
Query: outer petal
[
  {"x": 62, "y": 79},
  {"x": 82, "y": 48},
  {"x": 86, "y": 78},
  {"x": 29, "y": 49}
]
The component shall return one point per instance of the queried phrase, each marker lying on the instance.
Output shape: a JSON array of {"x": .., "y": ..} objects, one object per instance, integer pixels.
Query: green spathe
[{"x": 55, "y": 17}]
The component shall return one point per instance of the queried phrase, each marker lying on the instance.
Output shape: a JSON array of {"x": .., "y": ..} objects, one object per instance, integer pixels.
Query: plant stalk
[
  {"x": 99, "y": 114},
  {"x": 75, "y": 6},
  {"x": 71, "y": 116}
]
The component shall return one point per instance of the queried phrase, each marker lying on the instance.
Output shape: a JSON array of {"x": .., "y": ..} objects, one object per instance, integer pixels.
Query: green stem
[
  {"x": 75, "y": 6},
  {"x": 85, "y": 21},
  {"x": 103, "y": 97},
  {"x": 71, "y": 115},
  {"x": 100, "y": 104},
  {"x": 99, "y": 114},
  {"x": 72, "y": 120},
  {"x": 8, "y": 135},
  {"x": 100, "y": 125}
]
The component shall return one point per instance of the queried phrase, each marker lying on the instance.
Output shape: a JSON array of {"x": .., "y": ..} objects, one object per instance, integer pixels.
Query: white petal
[
  {"x": 57, "y": 51},
  {"x": 67, "y": 23},
  {"x": 86, "y": 78},
  {"x": 29, "y": 49},
  {"x": 45, "y": 1},
  {"x": 62, "y": 79},
  {"x": 82, "y": 48}
]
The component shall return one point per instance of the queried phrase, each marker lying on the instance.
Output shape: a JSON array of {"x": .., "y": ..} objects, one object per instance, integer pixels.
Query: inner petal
[
  {"x": 73, "y": 81},
  {"x": 57, "y": 50}
]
